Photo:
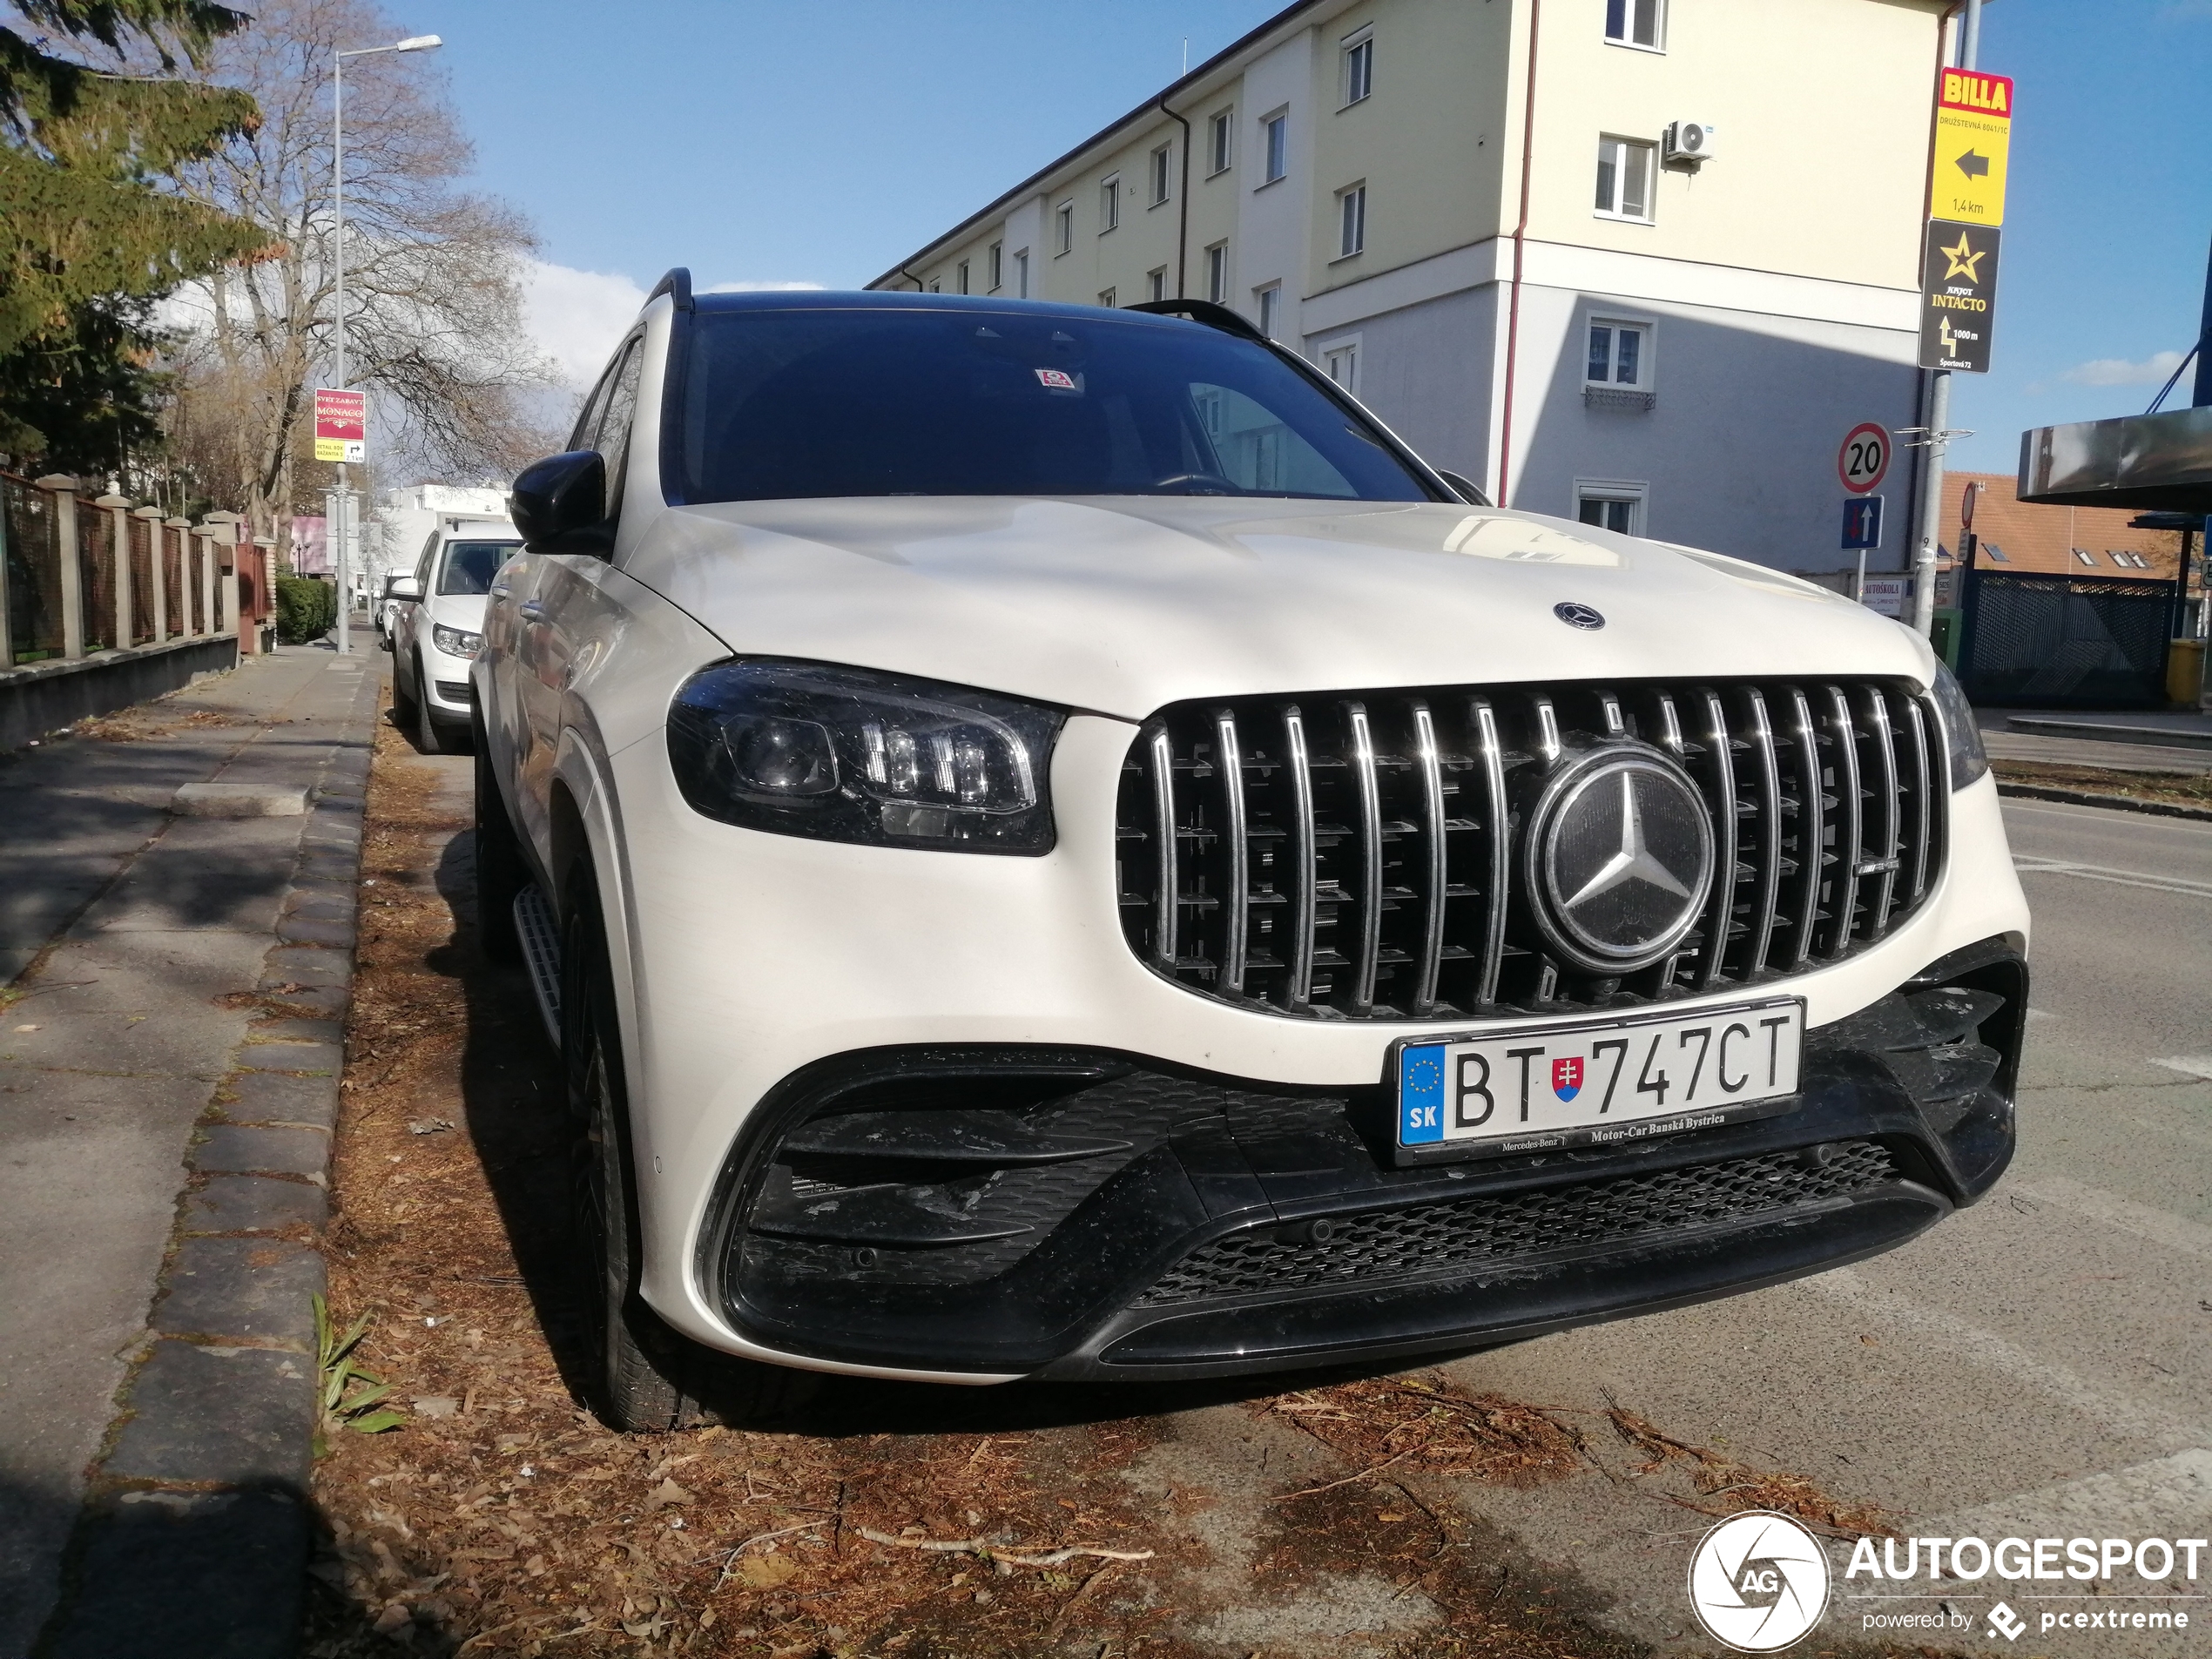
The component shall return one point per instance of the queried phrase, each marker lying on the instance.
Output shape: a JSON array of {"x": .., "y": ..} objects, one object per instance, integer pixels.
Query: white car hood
[{"x": 1121, "y": 604}]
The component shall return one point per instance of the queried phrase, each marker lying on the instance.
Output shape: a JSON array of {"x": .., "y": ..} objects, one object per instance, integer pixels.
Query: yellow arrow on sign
[{"x": 1974, "y": 137}]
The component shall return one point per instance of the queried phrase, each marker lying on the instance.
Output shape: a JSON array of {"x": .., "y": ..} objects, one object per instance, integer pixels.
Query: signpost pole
[
  {"x": 338, "y": 245},
  {"x": 1924, "y": 557}
]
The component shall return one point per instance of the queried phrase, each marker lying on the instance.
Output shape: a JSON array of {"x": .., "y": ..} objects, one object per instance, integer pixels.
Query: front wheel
[{"x": 643, "y": 1376}]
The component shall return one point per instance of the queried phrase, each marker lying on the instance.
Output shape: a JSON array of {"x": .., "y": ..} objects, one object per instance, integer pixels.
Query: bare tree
[{"x": 433, "y": 296}]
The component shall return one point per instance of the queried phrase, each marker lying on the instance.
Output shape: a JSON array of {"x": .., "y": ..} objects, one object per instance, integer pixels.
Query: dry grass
[{"x": 2174, "y": 788}]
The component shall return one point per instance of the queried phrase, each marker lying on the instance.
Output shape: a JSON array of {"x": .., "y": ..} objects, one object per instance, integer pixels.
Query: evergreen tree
[{"x": 91, "y": 227}]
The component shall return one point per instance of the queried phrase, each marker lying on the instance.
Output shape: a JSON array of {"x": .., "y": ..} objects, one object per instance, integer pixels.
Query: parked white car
[
  {"x": 437, "y": 622},
  {"x": 1056, "y": 846}
]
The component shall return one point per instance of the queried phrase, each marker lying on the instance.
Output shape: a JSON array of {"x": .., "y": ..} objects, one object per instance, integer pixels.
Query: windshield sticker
[{"x": 1053, "y": 379}]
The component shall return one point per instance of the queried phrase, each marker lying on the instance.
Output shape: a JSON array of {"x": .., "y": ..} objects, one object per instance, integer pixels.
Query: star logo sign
[
  {"x": 1634, "y": 862},
  {"x": 1964, "y": 259}
]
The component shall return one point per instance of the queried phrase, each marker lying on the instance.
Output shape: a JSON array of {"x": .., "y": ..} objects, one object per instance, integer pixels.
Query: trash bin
[{"x": 2185, "y": 672}]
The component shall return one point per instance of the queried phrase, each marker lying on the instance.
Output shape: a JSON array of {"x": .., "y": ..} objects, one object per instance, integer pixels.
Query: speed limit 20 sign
[{"x": 1864, "y": 458}]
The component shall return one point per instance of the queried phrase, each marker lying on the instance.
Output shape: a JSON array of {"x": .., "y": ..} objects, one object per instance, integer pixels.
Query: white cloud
[
  {"x": 576, "y": 316},
  {"x": 2118, "y": 371},
  {"x": 764, "y": 287}
]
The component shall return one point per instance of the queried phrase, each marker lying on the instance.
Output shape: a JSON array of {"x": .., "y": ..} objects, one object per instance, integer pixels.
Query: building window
[
  {"x": 1110, "y": 203},
  {"x": 1022, "y": 274},
  {"x": 1619, "y": 354},
  {"x": 1358, "y": 66},
  {"x": 959, "y": 277},
  {"x": 1340, "y": 360},
  {"x": 1155, "y": 283},
  {"x": 1636, "y": 23},
  {"x": 1217, "y": 274},
  {"x": 1163, "y": 172},
  {"x": 1106, "y": 298},
  {"x": 1611, "y": 506},
  {"x": 1995, "y": 552},
  {"x": 1352, "y": 220},
  {"x": 1623, "y": 179},
  {"x": 1063, "y": 228},
  {"x": 1267, "y": 302},
  {"x": 1218, "y": 138},
  {"x": 936, "y": 284},
  {"x": 995, "y": 262},
  {"x": 1275, "y": 138},
  {"x": 2085, "y": 555}
]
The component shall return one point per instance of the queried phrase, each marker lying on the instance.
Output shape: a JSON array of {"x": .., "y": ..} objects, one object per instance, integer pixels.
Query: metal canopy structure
[{"x": 2148, "y": 462}]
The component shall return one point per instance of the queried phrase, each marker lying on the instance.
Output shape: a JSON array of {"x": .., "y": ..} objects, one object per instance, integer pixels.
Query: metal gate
[{"x": 2065, "y": 642}]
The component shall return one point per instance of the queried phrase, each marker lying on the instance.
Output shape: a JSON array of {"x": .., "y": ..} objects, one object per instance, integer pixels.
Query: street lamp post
[{"x": 343, "y": 495}]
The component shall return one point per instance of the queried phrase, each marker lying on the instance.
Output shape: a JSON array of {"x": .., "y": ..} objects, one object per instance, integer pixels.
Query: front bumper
[{"x": 1130, "y": 1222}]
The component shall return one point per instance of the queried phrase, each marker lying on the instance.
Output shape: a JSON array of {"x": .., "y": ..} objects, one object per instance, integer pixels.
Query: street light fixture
[{"x": 344, "y": 493}]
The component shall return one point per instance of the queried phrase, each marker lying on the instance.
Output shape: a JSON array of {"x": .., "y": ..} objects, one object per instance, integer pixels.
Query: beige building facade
[{"x": 1493, "y": 221}]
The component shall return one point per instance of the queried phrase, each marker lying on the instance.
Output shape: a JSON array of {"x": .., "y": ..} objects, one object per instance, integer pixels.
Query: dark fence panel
[
  {"x": 34, "y": 573},
  {"x": 141, "y": 582},
  {"x": 2065, "y": 642},
  {"x": 96, "y": 576}
]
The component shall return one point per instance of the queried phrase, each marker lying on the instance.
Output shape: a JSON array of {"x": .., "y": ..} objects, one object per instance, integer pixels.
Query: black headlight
[
  {"x": 1961, "y": 733},
  {"x": 845, "y": 754}
]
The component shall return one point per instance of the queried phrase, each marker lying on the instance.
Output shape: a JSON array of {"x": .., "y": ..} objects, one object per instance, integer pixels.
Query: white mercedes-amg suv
[{"x": 1056, "y": 846}]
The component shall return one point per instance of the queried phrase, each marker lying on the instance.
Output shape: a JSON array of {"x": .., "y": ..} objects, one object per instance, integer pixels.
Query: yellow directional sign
[{"x": 1973, "y": 132}]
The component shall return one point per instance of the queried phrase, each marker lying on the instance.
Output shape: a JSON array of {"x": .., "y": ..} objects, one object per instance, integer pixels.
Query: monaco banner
[{"x": 341, "y": 425}]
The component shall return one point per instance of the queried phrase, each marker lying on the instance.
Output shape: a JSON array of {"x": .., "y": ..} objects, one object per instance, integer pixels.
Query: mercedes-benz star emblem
[
  {"x": 1578, "y": 616},
  {"x": 1622, "y": 853}
]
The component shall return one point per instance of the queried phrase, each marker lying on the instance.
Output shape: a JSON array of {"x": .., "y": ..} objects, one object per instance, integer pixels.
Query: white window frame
[
  {"x": 995, "y": 264},
  {"x": 1273, "y": 154},
  {"x": 1221, "y": 141},
  {"x": 1627, "y": 36},
  {"x": 1110, "y": 203},
  {"x": 2083, "y": 556},
  {"x": 1267, "y": 308},
  {"x": 1636, "y": 491},
  {"x": 1647, "y": 355},
  {"x": 1356, "y": 67},
  {"x": 1351, "y": 349},
  {"x": 1351, "y": 222},
  {"x": 1106, "y": 298},
  {"x": 1021, "y": 274},
  {"x": 1163, "y": 173},
  {"x": 1619, "y": 147},
  {"x": 960, "y": 274},
  {"x": 1217, "y": 256},
  {"x": 1063, "y": 228},
  {"x": 1156, "y": 280},
  {"x": 936, "y": 284}
]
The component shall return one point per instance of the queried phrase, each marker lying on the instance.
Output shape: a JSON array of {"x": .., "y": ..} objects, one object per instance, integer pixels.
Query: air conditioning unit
[{"x": 1688, "y": 141}]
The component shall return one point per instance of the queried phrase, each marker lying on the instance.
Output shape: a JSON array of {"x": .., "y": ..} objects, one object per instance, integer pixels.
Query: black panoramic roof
[{"x": 877, "y": 300}]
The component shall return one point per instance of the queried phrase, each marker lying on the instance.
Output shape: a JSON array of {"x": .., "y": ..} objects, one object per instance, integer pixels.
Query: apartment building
[{"x": 1486, "y": 218}]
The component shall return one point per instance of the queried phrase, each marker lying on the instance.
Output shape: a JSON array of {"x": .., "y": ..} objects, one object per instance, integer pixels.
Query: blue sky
[{"x": 818, "y": 143}]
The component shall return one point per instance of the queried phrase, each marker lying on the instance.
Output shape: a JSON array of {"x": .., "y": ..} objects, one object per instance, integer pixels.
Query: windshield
[
  {"x": 470, "y": 566},
  {"x": 780, "y": 405}
]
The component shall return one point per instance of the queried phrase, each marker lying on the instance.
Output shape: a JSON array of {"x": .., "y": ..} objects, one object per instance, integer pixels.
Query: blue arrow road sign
[{"x": 1863, "y": 521}]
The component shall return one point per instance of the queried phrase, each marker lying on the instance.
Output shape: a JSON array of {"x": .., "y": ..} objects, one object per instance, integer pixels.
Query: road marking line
[
  {"x": 2121, "y": 878},
  {"x": 2122, "y": 1414},
  {"x": 2145, "y": 1221},
  {"x": 2161, "y": 1499},
  {"x": 2196, "y": 1065}
]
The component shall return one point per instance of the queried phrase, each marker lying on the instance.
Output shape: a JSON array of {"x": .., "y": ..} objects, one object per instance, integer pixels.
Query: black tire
[
  {"x": 403, "y": 713},
  {"x": 643, "y": 1376},
  {"x": 501, "y": 872},
  {"x": 431, "y": 735}
]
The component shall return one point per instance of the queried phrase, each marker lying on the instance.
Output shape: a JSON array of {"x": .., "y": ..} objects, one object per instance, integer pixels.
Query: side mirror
[
  {"x": 405, "y": 587},
  {"x": 560, "y": 504}
]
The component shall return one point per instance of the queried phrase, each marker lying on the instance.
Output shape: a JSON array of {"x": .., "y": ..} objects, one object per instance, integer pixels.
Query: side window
[
  {"x": 423, "y": 562},
  {"x": 612, "y": 433},
  {"x": 587, "y": 419}
]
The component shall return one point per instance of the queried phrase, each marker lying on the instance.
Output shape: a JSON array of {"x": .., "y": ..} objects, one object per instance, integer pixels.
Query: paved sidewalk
[
  {"x": 169, "y": 1054},
  {"x": 2082, "y": 748}
]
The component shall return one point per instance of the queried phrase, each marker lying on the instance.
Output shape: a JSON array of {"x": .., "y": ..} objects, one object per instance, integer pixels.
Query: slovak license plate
[{"x": 1595, "y": 1081}]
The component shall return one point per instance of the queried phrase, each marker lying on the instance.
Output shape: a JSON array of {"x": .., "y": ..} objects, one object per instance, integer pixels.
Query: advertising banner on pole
[{"x": 341, "y": 425}]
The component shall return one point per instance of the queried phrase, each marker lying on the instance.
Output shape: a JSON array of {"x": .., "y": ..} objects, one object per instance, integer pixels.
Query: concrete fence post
[
  {"x": 118, "y": 523},
  {"x": 264, "y": 589},
  {"x": 160, "y": 584},
  {"x": 222, "y": 542},
  {"x": 180, "y": 537},
  {"x": 63, "y": 489},
  {"x": 205, "y": 539}
]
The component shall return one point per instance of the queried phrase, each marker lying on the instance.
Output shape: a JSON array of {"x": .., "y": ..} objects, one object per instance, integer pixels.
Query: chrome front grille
[{"x": 1352, "y": 855}]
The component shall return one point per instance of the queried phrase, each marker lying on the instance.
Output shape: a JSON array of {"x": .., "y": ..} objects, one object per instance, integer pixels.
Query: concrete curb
[
  {"x": 2088, "y": 797},
  {"x": 195, "y": 1532}
]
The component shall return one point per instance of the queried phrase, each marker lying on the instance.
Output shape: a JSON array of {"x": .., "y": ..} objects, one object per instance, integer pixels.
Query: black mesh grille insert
[
  {"x": 1432, "y": 1239},
  {"x": 1352, "y": 855}
]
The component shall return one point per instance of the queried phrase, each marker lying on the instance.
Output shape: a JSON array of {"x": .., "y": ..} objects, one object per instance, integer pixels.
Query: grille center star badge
[{"x": 1621, "y": 853}]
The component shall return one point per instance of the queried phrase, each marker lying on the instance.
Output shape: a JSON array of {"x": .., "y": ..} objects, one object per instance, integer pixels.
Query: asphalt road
[{"x": 2039, "y": 1365}]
